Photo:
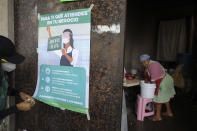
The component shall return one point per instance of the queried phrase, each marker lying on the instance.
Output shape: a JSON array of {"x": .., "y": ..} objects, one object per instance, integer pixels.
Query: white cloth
[{"x": 171, "y": 39}]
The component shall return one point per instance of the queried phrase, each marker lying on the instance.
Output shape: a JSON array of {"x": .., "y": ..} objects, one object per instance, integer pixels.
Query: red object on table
[{"x": 130, "y": 78}]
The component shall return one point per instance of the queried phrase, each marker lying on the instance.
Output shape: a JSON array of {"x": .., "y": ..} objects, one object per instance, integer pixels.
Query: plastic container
[
  {"x": 185, "y": 59},
  {"x": 133, "y": 71},
  {"x": 147, "y": 89}
]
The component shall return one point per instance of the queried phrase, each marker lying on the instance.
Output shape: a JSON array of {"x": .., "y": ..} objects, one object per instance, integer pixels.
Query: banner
[{"x": 64, "y": 59}]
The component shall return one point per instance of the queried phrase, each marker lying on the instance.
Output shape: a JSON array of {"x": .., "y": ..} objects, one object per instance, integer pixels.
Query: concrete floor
[{"x": 184, "y": 119}]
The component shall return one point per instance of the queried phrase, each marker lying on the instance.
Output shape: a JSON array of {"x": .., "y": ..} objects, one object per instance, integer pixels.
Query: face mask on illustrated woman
[{"x": 65, "y": 40}]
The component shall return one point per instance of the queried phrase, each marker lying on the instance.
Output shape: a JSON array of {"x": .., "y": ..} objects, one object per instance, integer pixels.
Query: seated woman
[{"x": 155, "y": 73}]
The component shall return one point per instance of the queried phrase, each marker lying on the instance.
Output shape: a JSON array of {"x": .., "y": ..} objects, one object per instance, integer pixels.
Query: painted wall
[
  {"x": 105, "y": 66},
  {"x": 141, "y": 28}
]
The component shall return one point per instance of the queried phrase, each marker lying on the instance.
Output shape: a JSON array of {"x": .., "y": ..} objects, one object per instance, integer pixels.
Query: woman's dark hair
[{"x": 71, "y": 36}]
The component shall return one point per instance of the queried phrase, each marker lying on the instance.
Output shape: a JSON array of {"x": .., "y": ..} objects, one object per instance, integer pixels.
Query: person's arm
[
  {"x": 23, "y": 106},
  {"x": 22, "y": 95},
  {"x": 64, "y": 52},
  {"x": 9, "y": 111},
  {"x": 146, "y": 76},
  {"x": 13, "y": 92},
  {"x": 49, "y": 31}
]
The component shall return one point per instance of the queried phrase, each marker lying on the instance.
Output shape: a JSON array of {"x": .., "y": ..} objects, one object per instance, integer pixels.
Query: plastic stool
[{"x": 141, "y": 107}]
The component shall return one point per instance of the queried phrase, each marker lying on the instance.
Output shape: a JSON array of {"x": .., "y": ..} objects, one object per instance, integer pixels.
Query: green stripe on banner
[
  {"x": 66, "y": 106},
  {"x": 66, "y": 17}
]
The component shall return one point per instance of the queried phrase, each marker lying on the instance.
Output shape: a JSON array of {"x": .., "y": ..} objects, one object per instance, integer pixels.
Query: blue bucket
[{"x": 185, "y": 59}]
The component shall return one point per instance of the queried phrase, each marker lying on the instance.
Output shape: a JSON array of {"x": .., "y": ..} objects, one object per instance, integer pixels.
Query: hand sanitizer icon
[{"x": 47, "y": 89}]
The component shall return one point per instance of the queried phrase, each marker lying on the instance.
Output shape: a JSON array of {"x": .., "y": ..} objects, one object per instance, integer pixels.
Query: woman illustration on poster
[{"x": 69, "y": 53}]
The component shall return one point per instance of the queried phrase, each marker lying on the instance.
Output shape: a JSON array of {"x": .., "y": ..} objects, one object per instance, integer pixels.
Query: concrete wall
[{"x": 106, "y": 66}]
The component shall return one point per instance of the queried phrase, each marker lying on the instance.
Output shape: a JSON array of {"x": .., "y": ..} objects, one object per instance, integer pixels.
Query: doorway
[{"x": 145, "y": 24}]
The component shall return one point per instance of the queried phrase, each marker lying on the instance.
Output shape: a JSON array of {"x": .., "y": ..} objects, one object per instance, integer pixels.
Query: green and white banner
[{"x": 64, "y": 59}]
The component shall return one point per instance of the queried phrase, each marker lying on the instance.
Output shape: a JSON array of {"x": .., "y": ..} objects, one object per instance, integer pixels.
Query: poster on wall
[{"x": 64, "y": 60}]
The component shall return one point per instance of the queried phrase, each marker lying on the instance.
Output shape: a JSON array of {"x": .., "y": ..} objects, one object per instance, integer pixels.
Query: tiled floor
[{"x": 184, "y": 119}]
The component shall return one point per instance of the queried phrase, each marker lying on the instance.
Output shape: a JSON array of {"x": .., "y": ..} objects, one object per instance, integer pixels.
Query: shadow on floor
[{"x": 184, "y": 119}]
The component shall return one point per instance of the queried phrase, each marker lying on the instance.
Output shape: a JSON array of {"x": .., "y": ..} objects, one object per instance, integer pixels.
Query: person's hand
[
  {"x": 146, "y": 81},
  {"x": 24, "y": 96},
  {"x": 64, "y": 52},
  {"x": 27, "y": 98},
  {"x": 23, "y": 106}
]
